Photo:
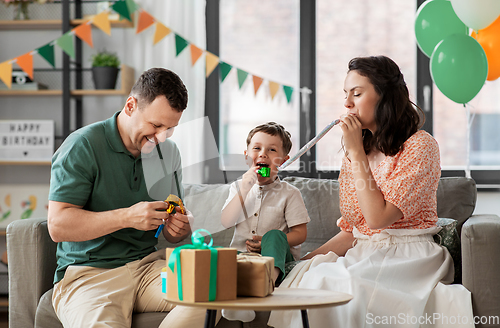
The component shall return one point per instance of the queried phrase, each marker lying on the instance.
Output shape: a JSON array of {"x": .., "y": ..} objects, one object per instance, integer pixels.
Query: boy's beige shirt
[{"x": 275, "y": 206}]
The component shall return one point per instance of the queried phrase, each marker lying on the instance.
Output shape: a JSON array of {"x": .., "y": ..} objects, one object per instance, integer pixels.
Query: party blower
[{"x": 309, "y": 145}]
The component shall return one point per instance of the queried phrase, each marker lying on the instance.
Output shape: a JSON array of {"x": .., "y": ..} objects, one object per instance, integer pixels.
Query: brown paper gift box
[
  {"x": 195, "y": 270},
  {"x": 255, "y": 275}
]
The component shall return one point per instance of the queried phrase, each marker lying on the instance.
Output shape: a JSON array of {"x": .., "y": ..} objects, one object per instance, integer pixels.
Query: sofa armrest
[
  {"x": 32, "y": 263},
  {"x": 481, "y": 263}
]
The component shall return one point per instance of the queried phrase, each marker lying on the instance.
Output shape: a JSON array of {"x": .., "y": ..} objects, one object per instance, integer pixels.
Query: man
[{"x": 102, "y": 216}]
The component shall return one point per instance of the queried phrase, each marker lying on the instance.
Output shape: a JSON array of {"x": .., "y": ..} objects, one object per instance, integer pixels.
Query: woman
[{"x": 384, "y": 255}]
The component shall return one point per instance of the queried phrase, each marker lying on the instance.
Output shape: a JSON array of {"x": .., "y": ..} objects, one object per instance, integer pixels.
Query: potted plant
[{"x": 105, "y": 69}]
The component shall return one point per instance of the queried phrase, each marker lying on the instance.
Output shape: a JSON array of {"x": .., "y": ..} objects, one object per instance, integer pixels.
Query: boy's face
[{"x": 266, "y": 150}]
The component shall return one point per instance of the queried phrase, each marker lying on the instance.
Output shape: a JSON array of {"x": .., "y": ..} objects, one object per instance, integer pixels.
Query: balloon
[
  {"x": 476, "y": 14},
  {"x": 459, "y": 67},
  {"x": 436, "y": 20},
  {"x": 489, "y": 39}
]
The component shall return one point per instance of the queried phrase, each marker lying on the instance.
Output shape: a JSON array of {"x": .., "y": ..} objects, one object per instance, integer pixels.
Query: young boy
[{"x": 273, "y": 219}]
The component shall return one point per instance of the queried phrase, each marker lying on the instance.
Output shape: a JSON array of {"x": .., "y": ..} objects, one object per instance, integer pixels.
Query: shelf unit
[{"x": 70, "y": 73}]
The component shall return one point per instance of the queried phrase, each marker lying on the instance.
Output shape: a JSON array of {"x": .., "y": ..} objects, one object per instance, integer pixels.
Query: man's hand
[
  {"x": 147, "y": 215},
  {"x": 178, "y": 225},
  {"x": 254, "y": 244}
]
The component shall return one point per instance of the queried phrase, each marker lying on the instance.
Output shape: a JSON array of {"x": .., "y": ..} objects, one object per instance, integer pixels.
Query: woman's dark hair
[
  {"x": 160, "y": 82},
  {"x": 396, "y": 116}
]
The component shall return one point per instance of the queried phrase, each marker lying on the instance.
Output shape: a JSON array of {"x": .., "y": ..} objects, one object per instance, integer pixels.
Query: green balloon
[
  {"x": 435, "y": 21},
  {"x": 459, "y": 67}
]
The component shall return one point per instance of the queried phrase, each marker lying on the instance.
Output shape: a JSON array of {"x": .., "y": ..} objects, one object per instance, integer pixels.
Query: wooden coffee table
[{"x": 280, "y": 299}]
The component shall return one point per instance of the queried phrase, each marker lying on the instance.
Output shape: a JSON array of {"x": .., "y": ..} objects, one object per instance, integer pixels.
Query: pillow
[{"x": 448, "y": 237}]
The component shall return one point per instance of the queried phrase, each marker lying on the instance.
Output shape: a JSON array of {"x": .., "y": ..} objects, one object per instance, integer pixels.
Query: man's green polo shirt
[{"x": 93, "y": 169}]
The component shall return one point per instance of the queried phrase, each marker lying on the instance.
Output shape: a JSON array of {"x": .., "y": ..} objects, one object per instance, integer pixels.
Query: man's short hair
[
  {"x": 160, "y": 82},
  {"x": 273, "y": 129}
]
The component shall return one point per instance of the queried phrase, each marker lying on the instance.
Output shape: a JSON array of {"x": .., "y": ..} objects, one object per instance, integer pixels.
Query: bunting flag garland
[
  {"x": 26, "y": 63},
  {"x": 288, "y": 92},
  {"x": 131, "y": 6},
  {"x": 195, "y": 54},
  {"x": 273, "y": 88},
  {"x": 125, "y": 8},
  {"x": 101, "y": 21},
  {"x": 84, "y": 32},
  {"x": 65, "y": 42},
  {"x": 161, "y": 32},
  {"x": 145, "y": 21},
  {"x": 6, "y": 73},
  {"x": 242, "y": 76},
  {"x": 257, "y": 81},
  {"x": 47, "y": 53},
  {"x": 180, "y": 44},
  {"x": 225, "y": 68},
  {"x": 121, "y": 8},
  {"x": 211, "y": 63}
]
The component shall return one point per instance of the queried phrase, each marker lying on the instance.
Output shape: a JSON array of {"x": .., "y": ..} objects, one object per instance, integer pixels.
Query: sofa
[{"x": 32, "y": 261}]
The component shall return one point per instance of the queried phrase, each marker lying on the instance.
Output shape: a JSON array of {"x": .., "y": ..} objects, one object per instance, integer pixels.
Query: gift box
[
  {"x": 255, "y": 275},
  {"x": 197, "y": 272}
]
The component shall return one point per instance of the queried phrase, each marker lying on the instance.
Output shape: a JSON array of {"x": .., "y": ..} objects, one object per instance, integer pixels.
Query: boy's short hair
[{"x": 273, "y": 129}]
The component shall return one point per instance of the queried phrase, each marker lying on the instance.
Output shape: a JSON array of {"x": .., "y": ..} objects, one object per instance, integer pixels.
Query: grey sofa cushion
[{"x": 456, "y": 199}]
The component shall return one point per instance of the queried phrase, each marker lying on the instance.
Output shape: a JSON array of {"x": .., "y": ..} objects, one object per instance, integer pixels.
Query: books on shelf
[{"x": 26, "y": 86}]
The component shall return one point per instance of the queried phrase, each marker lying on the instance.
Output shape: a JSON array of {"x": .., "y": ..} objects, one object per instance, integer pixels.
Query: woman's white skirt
[{"x": 397, "y": 277}]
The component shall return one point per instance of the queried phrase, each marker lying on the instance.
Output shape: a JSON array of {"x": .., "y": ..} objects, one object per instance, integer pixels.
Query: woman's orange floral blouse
[{"x": 408, "y": 180}]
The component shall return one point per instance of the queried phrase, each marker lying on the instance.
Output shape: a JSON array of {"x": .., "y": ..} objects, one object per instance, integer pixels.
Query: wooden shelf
[
  {"x": 4, "y": 301},
  {"x": 52, "y": 24},
  {"x": 126, "y": 77},
  {"x": 25, "y": 163},
  {"x": 30, "y": 92}
]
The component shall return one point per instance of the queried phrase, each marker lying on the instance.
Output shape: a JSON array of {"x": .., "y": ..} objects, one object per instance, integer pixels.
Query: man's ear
[{"x": 130, "y": 105}]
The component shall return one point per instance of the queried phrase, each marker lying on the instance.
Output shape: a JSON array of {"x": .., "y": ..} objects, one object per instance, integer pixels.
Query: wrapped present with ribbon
[
  {"x": 255, "y": 275},
  {"x": 200, "y": 272}
]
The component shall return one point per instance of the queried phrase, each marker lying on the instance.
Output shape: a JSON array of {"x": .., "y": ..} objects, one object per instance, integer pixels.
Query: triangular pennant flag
[
  {"x": 6, "y": 73},
  {"x": 132, "y": 6},
  {"x": 180, "y": 44},
  {"x": 161, "y": 32},
  {"x": 121, "y": 8},
  {"x": 47, "y": 53},
  {"x": 288, "y": 92},
  {"x": 225, "y": 68},
  {"x": 66, "y": 43},
  {"x": 242, "y": 76},
  {"x": 257, "y": 81},
  {"x": 211, "y": 62},
  {"x": 84, "y": 32},
  {"x": 273, "y": 88},
  {"x": 102, "y": 22},
  {"x": 195, "y": 54},
  {"x": 145, "y": 21},
  {"x": 26, "y": 63}
]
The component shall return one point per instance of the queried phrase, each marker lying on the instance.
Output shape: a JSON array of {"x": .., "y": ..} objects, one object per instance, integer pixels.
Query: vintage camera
[{"x": 19, "y": 77}]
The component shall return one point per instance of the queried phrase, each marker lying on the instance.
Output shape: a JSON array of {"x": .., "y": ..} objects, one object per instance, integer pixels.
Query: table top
[{"x": 280, "y": 299}]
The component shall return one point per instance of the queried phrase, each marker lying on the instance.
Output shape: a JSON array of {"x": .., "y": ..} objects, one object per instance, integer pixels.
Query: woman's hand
[{"x": 353, "y": 134}]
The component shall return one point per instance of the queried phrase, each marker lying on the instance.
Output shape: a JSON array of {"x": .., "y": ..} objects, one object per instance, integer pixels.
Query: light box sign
[{"x": 26, "y": 141}]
